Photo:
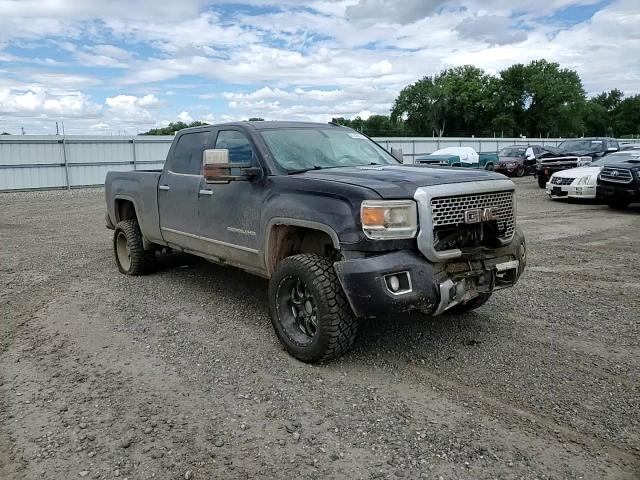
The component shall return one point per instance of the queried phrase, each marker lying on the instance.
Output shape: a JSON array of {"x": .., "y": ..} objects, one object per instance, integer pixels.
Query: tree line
[{"x": 539, "y": 99}]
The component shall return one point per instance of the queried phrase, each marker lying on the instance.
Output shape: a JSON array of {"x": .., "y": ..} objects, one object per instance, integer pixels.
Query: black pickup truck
[
  {"x": 571, "y": 154},
  {"x": 340, "y": 227},
  {"x": 619, "y": 183}
]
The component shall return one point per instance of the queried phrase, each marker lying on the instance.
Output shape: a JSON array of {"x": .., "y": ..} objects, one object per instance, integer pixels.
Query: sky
[{"x": 124, "y": 66}]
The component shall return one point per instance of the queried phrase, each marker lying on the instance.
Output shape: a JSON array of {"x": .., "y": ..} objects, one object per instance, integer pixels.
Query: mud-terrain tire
[
  {"x": 472, "y": 304},
  {"x": 309, "y": 311},
  {"x": 617, "y": 204},
  {"x": 128, "y": 249},
  {"x": 542, "y": 182}
]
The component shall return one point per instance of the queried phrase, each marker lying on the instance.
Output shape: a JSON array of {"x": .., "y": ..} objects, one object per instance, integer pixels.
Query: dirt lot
[{"x": 179, "y": 375}]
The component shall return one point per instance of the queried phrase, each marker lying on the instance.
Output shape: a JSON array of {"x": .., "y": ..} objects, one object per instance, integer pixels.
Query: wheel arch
[
  {"x": 124, "y": 208},
  {"x": 290, "y": 236}
]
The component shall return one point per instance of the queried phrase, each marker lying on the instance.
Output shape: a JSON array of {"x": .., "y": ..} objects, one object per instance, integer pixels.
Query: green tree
[
  {"x": 172, "y": 128},
  {"x": 256, "y": 119},
  {"x": 457, "y": 101},
  {"x": 609, "y": 100},
  {"x": 543, "y": 99},
  {"x": 626, "y": 117}
]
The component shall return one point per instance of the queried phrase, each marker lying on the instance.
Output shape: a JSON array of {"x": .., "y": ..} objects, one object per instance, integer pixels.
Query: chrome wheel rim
[{"x": 122, "y": 251}]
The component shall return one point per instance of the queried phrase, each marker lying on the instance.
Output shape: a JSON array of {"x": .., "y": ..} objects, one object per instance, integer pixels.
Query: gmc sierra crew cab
[{"x": 340, "y": 227}]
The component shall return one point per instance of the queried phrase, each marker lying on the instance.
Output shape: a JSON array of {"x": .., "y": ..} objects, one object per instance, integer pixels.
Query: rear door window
[{"x": 187, "y": 155}]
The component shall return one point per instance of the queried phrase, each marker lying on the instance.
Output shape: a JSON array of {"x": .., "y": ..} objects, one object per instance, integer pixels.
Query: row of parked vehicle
[
  {"x": 586, "y": 168},
  {"x": 593, "y": 168}
]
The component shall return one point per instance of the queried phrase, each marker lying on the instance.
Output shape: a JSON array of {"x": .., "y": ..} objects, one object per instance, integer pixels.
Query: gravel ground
[{"x": 178, "y": 375}]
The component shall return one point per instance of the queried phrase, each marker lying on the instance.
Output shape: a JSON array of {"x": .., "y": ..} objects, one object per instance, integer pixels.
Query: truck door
[
  {"x": 230, "y": 213},
  {"x": 178, "y": 191}
]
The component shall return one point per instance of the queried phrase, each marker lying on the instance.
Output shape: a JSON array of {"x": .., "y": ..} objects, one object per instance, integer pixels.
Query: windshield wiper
[{"x": 302, "y": 170}]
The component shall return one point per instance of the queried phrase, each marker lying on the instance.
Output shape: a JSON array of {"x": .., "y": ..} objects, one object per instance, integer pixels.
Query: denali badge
[{"x": 478, "y": 215}]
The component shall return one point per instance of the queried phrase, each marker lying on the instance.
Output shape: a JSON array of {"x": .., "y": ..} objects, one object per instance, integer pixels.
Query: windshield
[
  {"x": 581, "y": 146},
  {"x": 511, "y": 152},
  {"x": 615, "y": 158},
  {"x": 299, "y": 149}
]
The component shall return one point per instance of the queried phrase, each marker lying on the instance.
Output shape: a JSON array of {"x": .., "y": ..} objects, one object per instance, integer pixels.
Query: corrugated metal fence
[{"x": 32, "y": 162}]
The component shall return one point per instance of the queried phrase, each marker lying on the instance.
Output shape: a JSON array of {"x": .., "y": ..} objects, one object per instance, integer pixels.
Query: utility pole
[{"x": 57, "y": 129}]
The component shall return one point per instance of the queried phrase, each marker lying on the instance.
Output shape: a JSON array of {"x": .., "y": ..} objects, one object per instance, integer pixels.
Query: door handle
[
  {"x": 206, "y": 192},
  {"x": 164, "y": 187}
]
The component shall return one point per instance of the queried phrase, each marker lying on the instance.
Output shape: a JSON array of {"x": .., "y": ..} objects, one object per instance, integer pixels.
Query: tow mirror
[
  {"x": 217, "y": 169},
  {"x": 397, "y": 154}
]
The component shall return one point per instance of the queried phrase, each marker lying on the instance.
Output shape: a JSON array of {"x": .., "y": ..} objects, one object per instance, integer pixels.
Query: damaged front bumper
[{"x": 404, "y": 281}]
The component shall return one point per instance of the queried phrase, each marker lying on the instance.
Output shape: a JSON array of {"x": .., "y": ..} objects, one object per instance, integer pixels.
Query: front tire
[
  {"x": 128, "y": 248},
  {"x": 618, "y": 204},
  {"x": 520, "y": 171},
  {"x": 309, "y": 311}
]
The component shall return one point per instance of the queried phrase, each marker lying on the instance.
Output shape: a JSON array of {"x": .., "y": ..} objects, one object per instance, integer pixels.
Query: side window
[
  {"x": 187, "y": 156},
  {"x": 238, "y": 144}
]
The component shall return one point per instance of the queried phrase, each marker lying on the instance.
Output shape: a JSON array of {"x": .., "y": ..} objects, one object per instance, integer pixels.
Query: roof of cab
[{"x": 267, "y": 125}]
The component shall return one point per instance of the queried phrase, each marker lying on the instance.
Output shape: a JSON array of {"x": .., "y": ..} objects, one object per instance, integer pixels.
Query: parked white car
[{"x": 582, "y": 182}]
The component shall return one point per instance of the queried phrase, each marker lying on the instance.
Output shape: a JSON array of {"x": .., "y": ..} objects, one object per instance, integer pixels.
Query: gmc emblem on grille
[{"x": 478, "y": 215}]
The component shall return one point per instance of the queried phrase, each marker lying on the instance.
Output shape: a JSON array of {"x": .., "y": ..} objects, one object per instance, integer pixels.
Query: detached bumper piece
[{"x": 405, "y": 281}]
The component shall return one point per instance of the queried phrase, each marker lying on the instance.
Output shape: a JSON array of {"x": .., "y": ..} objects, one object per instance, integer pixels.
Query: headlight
[
  {"x": 389, "y": 219},
  {"x": 586, "y": 180}
]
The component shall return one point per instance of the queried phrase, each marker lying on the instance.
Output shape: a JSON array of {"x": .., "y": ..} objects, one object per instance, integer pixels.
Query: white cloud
[
  {"x": 132, "y": 108},
  {"x": 408, "y": 11},
  {"x": 329, "y": 58},
  {"x": 36, "y": 101},
  {"x": 185, "y": 117},
  {"x": 492, "y": 29}
]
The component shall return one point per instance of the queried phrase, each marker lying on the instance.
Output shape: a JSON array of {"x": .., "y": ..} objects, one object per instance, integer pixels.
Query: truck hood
[{"x": 399, "y": 181}]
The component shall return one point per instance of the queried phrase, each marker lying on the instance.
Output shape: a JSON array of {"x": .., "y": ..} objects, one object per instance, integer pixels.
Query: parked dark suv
[{"x": 619, "y": 183}]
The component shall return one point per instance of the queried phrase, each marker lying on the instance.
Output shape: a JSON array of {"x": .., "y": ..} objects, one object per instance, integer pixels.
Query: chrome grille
[
  {"x": 450, "y": 210},
  {"x": 562, "y": 180},
  {"x": 620, "y": 175}
]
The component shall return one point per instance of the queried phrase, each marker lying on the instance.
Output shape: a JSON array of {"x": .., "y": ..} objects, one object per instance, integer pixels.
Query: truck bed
[{"x": 141, "y": 189}]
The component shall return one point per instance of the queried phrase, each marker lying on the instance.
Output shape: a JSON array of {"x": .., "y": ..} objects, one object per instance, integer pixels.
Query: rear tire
[
  {"x": 472, "y": 304},
  {"x": 490, "y": 167},
  {"x": 128, "y": 248},
  {"x": 309, "y": 311},
  {"x": 542, "y": 182}
]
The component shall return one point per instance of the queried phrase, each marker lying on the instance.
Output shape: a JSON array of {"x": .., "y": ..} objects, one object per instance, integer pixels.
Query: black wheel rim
[{"x": 297, "y": 310}]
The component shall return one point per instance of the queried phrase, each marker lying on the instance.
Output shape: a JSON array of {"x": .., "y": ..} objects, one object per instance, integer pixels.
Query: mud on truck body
[{"x": 341, "y": 229}]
